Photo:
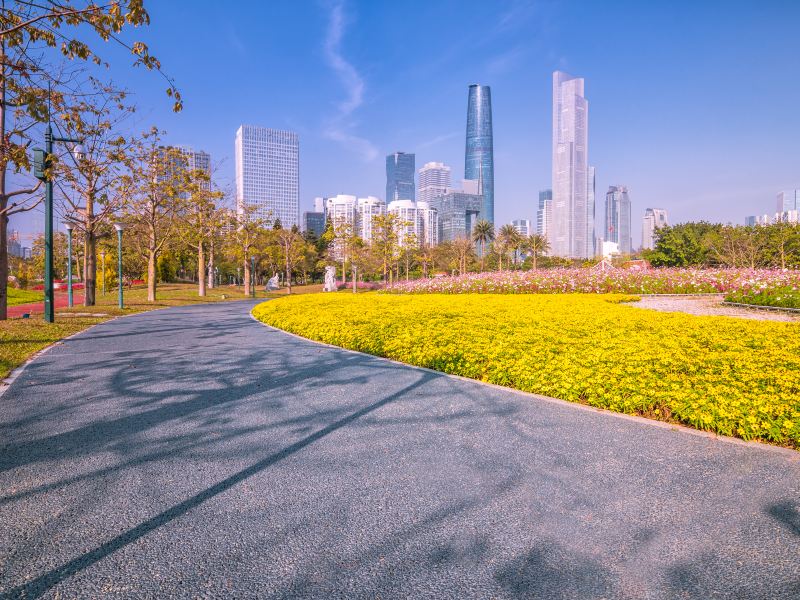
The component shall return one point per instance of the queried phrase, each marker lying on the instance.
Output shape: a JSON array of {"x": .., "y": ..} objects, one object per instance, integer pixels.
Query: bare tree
[
  {"x": 94, "y": 175},
  {"x": 156, "y": 185}
]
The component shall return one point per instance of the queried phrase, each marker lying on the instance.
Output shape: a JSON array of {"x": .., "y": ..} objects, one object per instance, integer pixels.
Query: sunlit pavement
[{"x": 193, "y": 452}]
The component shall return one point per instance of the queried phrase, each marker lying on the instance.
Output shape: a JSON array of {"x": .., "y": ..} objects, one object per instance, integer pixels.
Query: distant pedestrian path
[
  {"x": 710, "y": 305},
  {"x": 194, "y": 452},
  {"x": 35, "y": 308}
]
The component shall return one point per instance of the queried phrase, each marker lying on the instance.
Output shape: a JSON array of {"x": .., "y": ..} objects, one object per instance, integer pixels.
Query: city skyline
[{"x": 349, "y": 48}]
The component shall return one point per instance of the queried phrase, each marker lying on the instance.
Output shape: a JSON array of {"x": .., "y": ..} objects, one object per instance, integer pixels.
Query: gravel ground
[
  {"x": 710, "y": 305},
  {"x": 194, "y": 453}
]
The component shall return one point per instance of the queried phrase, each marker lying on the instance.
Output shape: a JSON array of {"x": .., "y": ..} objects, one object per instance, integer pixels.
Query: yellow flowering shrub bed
[{"x": 731, "y": 376}]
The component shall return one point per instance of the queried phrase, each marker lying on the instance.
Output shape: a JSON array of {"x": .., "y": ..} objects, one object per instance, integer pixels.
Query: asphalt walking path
[{"x": 192, "y": 452}]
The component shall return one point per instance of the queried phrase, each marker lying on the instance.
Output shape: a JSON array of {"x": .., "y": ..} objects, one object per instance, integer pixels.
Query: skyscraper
[
  {"x": 418, "y": 223},
  {"x": 544, "y": 212},
  {"x": 400, "y": 177},
  {"x": 523, "y": 227},
  {"x": 655, "y": 218},
  {"x": 458, "y": 211},
  {"x": 788, "y": 200},
  {"x": 268, "y": 173},
  {"x": 479, "y": 155},
  {"x": 368, "y": 208},
  {"x": 571, "y": 233},
  {"x": 618, "y": 218},
  {"x": 434, "y": 179},
  {"x": 314, "y": 222}
]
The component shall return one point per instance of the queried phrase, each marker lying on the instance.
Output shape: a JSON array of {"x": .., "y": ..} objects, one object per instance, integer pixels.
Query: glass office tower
[
  {"x": 268, "y": 173},
  {"x": 400, "y": 177},
  {"x": 618, "y": 218},
  {"x": 479, "y": 155}
]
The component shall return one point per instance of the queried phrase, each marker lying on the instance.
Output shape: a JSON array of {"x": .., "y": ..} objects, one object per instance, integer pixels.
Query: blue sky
[{"x": 695, "y": 105}]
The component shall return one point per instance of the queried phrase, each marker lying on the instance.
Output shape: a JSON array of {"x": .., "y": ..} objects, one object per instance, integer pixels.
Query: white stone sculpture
[
  {"x": 272, "y": 283},
  {"x": 330, "y": 279}
]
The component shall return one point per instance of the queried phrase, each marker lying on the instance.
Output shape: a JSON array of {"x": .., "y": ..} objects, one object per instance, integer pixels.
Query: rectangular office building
[{"x": 268, "y": 173}]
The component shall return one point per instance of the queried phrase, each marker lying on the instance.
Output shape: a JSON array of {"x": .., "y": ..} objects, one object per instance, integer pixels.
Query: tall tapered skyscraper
[
  {"x": 479, "y": 156},
  {"x": 571, "y": 232}
]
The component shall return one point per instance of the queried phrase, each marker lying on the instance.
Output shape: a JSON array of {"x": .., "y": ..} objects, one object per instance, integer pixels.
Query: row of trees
[
  {"x": 50, "y": 72},
  {"x": 713, "y": 245}
]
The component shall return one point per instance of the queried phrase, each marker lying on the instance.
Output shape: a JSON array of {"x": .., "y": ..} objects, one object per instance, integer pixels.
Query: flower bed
[
  {"x": 779, "y": 297},
  {"x": 588, "y": 281},
  {"x": 731, "y": 376}
]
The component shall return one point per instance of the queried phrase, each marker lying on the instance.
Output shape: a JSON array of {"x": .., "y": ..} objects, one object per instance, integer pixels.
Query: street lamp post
[
  {"x": 119, "y": 227},
  {"x": 69, "y": 227},
  {"x": 103, "y": 259},
  {"x": 41, "y": 162}
]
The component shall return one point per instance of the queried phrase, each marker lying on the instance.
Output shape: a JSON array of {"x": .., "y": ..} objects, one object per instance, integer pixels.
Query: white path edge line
[{"x": 793, "y": 454}]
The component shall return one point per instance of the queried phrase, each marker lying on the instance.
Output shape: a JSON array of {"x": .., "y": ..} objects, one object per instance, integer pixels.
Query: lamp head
[
  {"x": 69, "y": 225},
  {"x": 78, "y": 152},
  {"x": 119, "y": 226}
]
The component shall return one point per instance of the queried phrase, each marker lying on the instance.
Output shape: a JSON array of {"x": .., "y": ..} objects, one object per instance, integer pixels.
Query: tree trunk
[
  {"x": 211, "y": 275},
  {"x": 152, "y": 261},
  {"x": 201, "y": 270},
  {"x": 288, "y": 275},
  {"x": 89, "y": 268},
  {"x": 3, "y": 260},
  {"x": 246, "y": 276}
]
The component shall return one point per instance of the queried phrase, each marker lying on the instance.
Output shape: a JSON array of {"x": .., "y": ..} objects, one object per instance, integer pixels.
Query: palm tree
[
  {"x": 537, "y": 244},
  {"x": 507, "y": 237},
  {"x": 483, "y": 233}
]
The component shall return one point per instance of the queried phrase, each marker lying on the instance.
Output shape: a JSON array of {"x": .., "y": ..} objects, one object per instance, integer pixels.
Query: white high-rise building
[
  {"x": 368, "y": 208},
  {"x": 654, "y": 218},
  {"x": 429, "y": 227},
  {"x": 523, "y": 227},
  {"x": 418, "y": 222},
  {"x": 571, "y": 233},
  {"x": 544, "y": 212},
  {"x": 268, "y": 173},
  {"x": 788, "y": 200},
  {"x": 434, "y": 179},
  {"x": 408, "y": 221},
  {"x": 197, "y": 160},
  {"x": 319, "y": 204},
  {"x": 341, "y": 210}
]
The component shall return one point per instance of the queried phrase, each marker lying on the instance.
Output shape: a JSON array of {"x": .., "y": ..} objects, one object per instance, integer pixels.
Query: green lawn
[{"x": 16, "y": 296}]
